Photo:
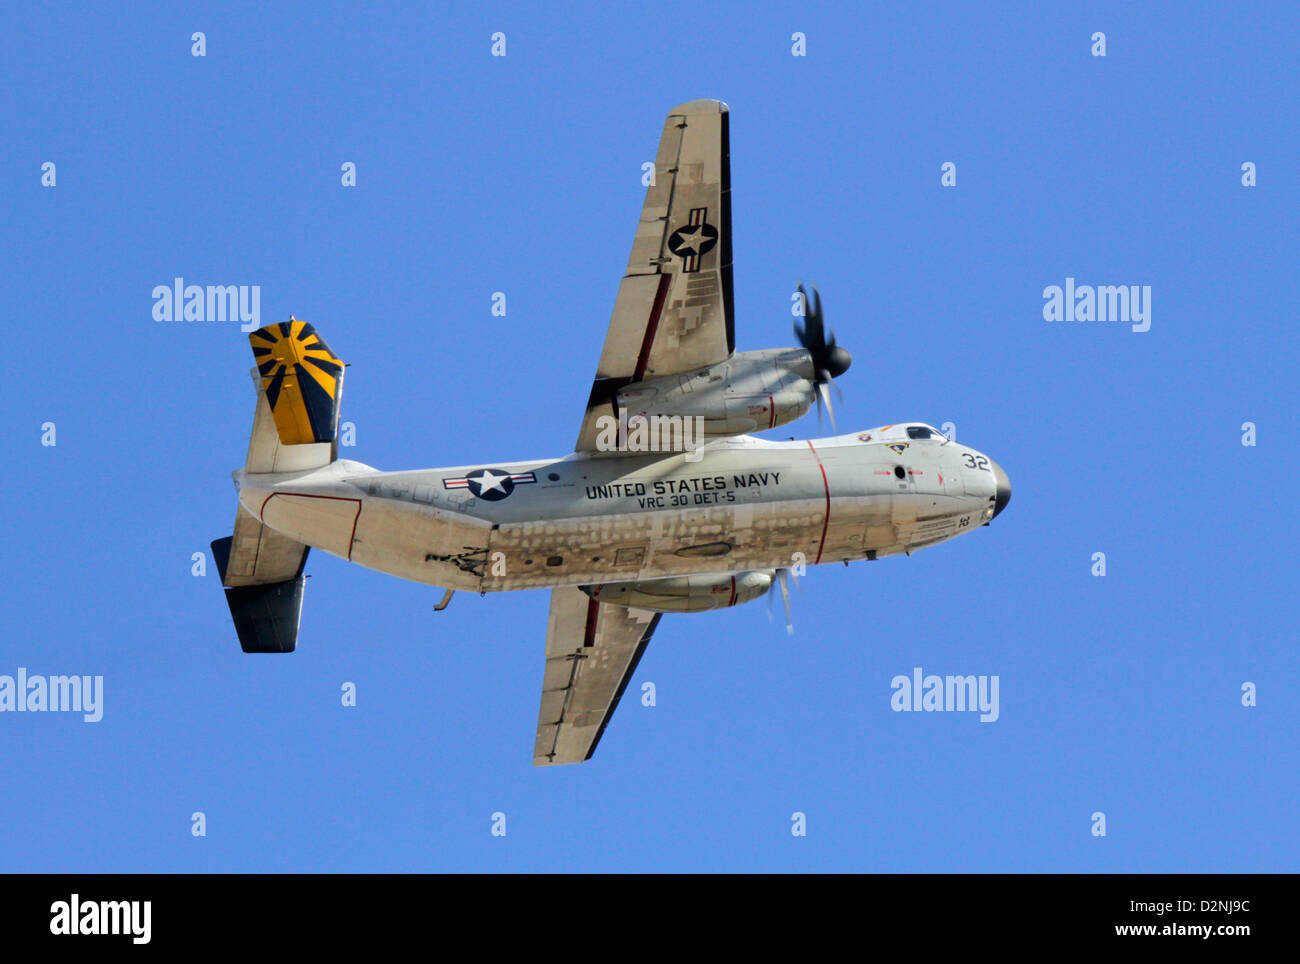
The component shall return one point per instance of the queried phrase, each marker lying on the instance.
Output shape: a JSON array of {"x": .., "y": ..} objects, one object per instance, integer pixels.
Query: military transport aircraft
[{"x": 622, "y": 530}]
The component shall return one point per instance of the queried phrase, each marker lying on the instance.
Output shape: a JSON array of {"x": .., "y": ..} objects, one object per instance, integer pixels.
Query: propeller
[
  {"x": 829, "y": 360},
  {"x": 782, "y": 578}
]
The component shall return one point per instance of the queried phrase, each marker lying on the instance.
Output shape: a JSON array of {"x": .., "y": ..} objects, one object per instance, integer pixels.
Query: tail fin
[
  {"x": 303, "y": 381},
  {"x": 299, "y": 386},
  {"x": 263, "y": 586}
]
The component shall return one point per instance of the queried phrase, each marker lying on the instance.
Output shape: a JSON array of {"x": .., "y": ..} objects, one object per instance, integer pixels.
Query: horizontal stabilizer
[{"x": 266, "y": 616}]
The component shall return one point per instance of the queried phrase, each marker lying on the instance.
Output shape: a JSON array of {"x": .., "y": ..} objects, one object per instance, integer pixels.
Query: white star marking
[
  {"x": 693, "y": 243},
  {"x": 487, "y": 482}
]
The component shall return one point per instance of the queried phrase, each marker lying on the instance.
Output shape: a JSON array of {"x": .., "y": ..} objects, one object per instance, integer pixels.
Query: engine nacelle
[
  {"x": 685, "y": 594},
  {"x": 749, "y": 392}
]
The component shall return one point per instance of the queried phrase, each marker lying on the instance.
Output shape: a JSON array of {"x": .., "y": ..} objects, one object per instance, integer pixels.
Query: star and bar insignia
[
  {"x": 693, "y": 240},
  {"x": 490, "y": 484}
]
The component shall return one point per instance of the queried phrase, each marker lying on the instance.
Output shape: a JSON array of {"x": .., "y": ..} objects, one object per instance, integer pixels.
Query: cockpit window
[{"x": 919, "y": 431}]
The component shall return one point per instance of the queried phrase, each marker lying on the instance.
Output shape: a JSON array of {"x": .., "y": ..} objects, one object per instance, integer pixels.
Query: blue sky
[{"x": 521, "y": 174}]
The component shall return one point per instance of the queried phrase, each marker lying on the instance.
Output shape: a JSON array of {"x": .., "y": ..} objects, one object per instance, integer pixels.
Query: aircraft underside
[
  {"x": 668, "y": 502},
  {"x": 739, "y": 508}
]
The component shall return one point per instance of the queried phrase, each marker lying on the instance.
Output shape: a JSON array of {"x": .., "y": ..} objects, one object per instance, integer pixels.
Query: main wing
[
  {"x": 592, "y": 650},
  {"x": 673, "y": 314},
  {"x": 674, "y": 311}
]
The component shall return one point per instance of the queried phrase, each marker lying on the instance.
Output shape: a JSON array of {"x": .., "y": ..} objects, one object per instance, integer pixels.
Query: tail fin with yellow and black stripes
[
  {"x": 295, "y": 427},
  {"x": 303, "y": 381}
]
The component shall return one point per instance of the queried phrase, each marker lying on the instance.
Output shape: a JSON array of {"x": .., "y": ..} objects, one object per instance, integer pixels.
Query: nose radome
[{"x": 1004, "y": 489}]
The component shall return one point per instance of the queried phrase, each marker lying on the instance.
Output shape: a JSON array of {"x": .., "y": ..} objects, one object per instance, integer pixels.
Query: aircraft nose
[{"x": 1004, "y": 489}]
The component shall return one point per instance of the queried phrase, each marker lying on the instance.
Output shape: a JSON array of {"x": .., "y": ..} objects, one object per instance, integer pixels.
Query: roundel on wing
[{"x": 693, "y": 240}]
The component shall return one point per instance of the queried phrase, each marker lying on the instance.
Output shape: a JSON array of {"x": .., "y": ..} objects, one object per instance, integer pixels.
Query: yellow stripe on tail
[{"x": 302, "y": 378}]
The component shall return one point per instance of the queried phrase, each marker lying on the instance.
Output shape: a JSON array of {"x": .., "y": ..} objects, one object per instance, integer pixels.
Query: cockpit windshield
[
  {"x": 925, "y": 431},
  {"x": 916, "y": 431}
]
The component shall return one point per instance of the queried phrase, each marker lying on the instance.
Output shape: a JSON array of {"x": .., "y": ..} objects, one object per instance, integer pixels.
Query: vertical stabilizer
[{"x": 295, "y": 429}]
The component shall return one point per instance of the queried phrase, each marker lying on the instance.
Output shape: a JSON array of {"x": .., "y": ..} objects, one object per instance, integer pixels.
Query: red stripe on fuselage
[
  {"x": 336, "y": 498},
  {"x": 827, "y": 486}
]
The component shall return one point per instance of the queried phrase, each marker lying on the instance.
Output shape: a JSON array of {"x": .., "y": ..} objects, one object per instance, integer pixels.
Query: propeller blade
[
  {"x": 780, "y": 580},
  {"x": 824, "y": 398},
  {"x": 785, "y": 596}
]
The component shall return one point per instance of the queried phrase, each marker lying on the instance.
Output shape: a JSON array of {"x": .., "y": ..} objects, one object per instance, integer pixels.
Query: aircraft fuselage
[{"x": 737, "y": 504}]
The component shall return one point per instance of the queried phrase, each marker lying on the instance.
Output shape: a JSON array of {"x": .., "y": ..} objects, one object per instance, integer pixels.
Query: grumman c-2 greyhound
[{"x": 618, "y": 531}]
